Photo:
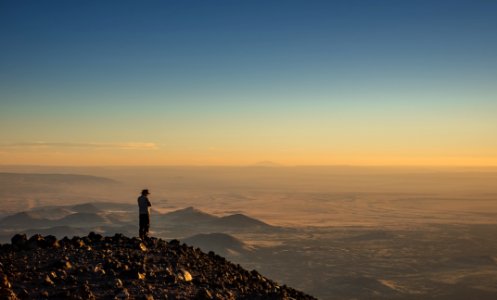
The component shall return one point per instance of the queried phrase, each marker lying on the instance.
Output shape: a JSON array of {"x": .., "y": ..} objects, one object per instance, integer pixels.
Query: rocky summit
[{"x": 118, "y": 267}]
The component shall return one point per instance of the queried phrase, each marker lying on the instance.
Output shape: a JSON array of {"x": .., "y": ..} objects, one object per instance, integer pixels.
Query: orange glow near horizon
[{"x": 212, "y": 157}]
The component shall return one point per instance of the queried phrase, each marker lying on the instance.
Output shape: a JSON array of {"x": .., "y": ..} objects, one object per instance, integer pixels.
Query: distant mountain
[
  {"x": 35, "y": 178},
  {"x": 122, "y": 218},
  {"x": 240, "y": 221},
  {"x": 113, "y": 212},
  {"x": 182, "y": 222},
  {"x": 115, "y": 206},
  {"x": 15, "y": 184},
  {"x": 24, "y": 220},
  {"x": 82, "y": 219},
  {"x": 50, "y": 212},
  {"x": 220, "y": 243},
  {"x": 188, "y": 215}
]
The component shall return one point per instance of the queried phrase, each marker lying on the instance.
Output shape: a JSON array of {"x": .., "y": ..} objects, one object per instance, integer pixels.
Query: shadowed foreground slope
[{"x": 97, "y": 267}]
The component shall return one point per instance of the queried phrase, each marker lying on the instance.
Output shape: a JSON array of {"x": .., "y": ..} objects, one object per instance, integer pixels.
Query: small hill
[
  {"x": 220, "y": 243},
  {"x": 50, "y": 212},
  {"x": 81, "y": 219},
  {"x": 188, "y": 215},
  {"x": 118, "y": 267},
  {"x": 87, "y": 207},
  {"x": 24, "y": 220},
  {"x": 122, "y": 218},
  {"x": 115, "y": 206},
  {"x": 14, "y": 184},
  {"x": 52, "y": 179},
  {"x": 240, "y": 221}
]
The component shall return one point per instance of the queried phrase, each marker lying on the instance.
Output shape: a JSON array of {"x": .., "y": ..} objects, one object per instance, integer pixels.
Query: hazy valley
[{"x": 335, "y": 233}]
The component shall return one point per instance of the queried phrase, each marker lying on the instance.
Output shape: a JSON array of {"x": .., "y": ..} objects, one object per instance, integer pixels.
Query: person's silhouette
[{"x": 144, "y": 208}]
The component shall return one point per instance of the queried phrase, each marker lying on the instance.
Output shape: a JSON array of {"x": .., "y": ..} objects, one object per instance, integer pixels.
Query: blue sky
[{"x": 255, "y": 78}]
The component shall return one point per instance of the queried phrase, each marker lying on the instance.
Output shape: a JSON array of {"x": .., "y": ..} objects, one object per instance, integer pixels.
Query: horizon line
[{"x": 255, "y": 165}]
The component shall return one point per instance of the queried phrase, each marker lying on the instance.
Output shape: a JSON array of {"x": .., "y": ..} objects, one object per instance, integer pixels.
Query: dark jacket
[{"x": 144, "y": 204}]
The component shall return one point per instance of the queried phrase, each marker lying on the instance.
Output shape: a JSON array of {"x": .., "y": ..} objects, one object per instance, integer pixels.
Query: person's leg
[
  {"x": 141, "y": 231},
  {"x": 147, "y": 224}
]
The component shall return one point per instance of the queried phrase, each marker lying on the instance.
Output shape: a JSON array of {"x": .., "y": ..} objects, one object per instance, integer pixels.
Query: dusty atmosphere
[{"x": 345, "y": 232}]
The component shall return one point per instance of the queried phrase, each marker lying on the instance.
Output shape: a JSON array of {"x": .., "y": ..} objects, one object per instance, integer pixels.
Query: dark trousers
[{"x": 144, "y": 225}]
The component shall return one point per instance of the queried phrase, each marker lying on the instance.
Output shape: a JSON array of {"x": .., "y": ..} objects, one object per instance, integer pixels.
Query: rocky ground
[{"x": 118, "y": 267}]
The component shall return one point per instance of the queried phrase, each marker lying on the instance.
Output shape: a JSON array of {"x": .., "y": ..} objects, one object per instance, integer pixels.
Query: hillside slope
[{"x": 96, "y": 267}]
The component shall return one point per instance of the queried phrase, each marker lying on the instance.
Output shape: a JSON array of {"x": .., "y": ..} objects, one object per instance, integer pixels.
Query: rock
[
  {"x": 204, "y": 293},
  {"x": 185, "y": 275},
  {"x": 170, "y": 279},
  {"x": 19, "y": 240},
  {"x": 72, "y": 279},
  {"x": 66, "y": 264},
  {"x": 50, "y": 241},
  {"x": 64, "y": 294},
  {"x": 53, "y": 275},
  {"x": 132, "y": 274},
  {"x": 8, "y": 294},
  {"x": 118, "y": 283},
  {"x": 85, "y": 291},
  {"x": 62, "y": 274},
  {"x": 4, "y": 282},
  {"x": 44, "y": 294},
  {"x": 48, "y": 281},
  {"x": 77, "y": 242},
  {"x": 95, "y": 237},
  {"x": 122, "y": 294},
  {"x": 174, "y": 243},
  {"x": 35, "y": 241},
  {"x": 118, "y": 238},
  {"x": 23, "y": 294},
  {"x": 142, "y": 247},
  {"x": 99, "y": 269}
]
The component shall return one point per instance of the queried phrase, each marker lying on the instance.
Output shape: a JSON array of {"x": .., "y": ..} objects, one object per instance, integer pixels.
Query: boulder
[{"x": 19, "y": 240}]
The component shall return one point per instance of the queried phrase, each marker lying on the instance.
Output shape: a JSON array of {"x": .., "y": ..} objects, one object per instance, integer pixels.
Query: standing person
[{"x": 144, "y": 208}]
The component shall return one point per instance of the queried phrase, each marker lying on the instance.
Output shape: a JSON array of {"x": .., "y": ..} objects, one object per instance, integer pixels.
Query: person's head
[{"x": 145, "y": 192}]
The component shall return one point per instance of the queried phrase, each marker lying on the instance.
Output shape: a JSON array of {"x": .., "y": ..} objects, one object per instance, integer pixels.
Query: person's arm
[{"x": 148, "y": 202}]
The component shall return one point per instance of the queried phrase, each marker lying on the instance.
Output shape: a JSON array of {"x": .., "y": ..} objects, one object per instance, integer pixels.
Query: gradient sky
[{"x": 237, "y": 82}]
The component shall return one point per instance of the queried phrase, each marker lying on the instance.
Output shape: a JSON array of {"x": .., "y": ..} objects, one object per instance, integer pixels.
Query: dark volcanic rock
[
  {"x": 118, "y": 267},
  {"x": 19, "y": 240}
]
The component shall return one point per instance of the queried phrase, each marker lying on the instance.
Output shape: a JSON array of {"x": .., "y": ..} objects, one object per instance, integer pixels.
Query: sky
[{"x": 239, "y": 82}]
